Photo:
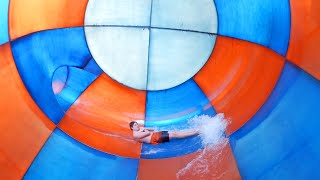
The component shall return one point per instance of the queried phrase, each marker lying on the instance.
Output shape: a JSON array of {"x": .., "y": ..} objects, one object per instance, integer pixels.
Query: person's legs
[{"x": 182, "y": 134}]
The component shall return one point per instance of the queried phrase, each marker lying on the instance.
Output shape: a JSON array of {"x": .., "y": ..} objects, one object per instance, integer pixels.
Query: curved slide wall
[{"x": 63, "y": 117}]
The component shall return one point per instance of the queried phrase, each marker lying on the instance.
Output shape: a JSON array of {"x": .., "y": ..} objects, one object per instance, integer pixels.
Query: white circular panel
[{"x": 151, "y": 44}]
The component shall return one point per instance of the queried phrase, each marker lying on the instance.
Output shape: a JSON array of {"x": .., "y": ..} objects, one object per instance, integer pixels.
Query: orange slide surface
[
  {"x": 39, "y": 15},
  {"x": 238, "y": 78},
  {"x": 100, "y": 117},
  {"x": 24, "y": 127}
]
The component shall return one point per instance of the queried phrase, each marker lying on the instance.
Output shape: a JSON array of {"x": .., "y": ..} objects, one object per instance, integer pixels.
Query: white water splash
[
  {"x": 212, "y": 132},
  {"x": 212, "y": 129}
]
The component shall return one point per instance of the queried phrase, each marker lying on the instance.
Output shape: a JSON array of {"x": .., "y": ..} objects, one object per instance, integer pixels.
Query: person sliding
[{"x": 148, "y": 135}]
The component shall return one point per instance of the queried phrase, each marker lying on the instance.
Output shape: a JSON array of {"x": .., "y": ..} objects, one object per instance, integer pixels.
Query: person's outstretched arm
[
  {"x": 149, "y": 129},
  {"x": 141, "y": 135}
]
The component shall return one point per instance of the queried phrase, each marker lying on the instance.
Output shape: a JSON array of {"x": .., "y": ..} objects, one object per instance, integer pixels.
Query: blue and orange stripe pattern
[{"x": 63, "y": 117}]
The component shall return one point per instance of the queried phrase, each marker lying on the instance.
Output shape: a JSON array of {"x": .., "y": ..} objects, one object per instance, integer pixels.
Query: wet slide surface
[{"x": 75, "y": 73}]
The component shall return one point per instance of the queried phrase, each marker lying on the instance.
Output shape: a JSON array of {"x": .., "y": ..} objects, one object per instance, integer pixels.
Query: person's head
[{"x": 134, "y": 126}]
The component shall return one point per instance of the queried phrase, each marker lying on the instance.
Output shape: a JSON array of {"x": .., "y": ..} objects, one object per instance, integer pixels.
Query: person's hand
[
  {"x": 147, "y": 129},
  {"x": 144, "y": 130}
]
